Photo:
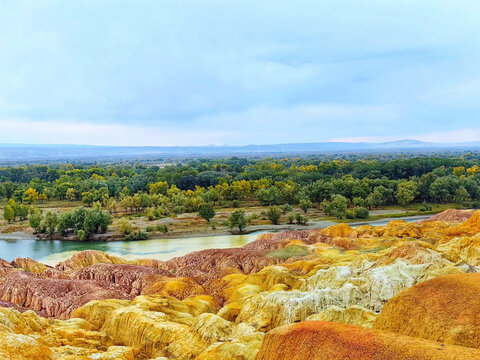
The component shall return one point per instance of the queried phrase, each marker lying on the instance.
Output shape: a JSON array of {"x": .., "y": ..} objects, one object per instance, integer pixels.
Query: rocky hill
[{"x": 400, "y": 291}]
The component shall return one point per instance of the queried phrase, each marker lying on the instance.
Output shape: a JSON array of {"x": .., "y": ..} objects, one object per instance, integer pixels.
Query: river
[{"x": 53, "y": 251}]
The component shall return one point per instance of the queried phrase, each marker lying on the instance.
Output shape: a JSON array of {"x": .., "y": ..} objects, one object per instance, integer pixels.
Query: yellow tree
[
  {"x": 458, "y": 171},
  {"x": 160, "y": 187},
  {"x": 31, "y": 196},
  {"x": 70, "y": 194},
  {"x": 474, "y": 170}
]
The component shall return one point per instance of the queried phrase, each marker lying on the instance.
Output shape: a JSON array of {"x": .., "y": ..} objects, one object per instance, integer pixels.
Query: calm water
[{"x": 53, "y": 251}]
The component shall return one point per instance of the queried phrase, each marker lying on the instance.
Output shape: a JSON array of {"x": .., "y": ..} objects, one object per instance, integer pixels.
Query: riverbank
[
  {"x": 192, "y": 225},
  {"x": 110, "y": 236},
  {"x": 20, "y": 244}
]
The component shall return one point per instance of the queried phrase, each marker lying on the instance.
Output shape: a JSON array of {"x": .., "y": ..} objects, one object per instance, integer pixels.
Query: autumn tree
[
  {"x": 160, "y": 187},
  {"x": 8, "y": 213},
  {"x": 31, "y": 196},
  {"x": 88, "y": 198},
  {"x": 125, "y": 226},
  {"x": 70, "y": 194}
]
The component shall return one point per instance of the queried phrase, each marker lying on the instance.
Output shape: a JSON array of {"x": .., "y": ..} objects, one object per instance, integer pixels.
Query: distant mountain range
[{"x": 31, "y": 153}]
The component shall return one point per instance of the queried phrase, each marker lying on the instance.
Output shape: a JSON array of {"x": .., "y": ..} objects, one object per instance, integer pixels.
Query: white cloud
[
  {"x": 452, "y": 136},
  {"x": 259, "y": 126},
  {"x": 89, "y": 133}
]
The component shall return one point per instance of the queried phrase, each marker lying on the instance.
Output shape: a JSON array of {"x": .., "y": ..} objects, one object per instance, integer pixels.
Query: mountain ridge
[{"x": 55, "y": 152}]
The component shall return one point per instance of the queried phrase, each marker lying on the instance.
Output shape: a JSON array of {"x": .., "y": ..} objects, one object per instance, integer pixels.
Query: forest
[{"x": 347, "y": 188}]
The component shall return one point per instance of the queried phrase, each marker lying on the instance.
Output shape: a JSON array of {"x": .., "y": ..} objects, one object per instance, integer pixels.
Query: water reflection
[{"x": 54, "y": 251}]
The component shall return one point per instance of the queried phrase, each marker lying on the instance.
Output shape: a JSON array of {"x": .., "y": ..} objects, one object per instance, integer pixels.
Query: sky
[{"x": 190, "y": 72}]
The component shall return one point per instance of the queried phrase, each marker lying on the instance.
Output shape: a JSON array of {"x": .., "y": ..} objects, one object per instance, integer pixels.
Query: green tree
[
  {"x": 35, "y": 219},
  {"x": 291, "y": 218},
  {"x": 360, "y": 212},
  {"x": 8, "y": 213},
  {"x": 268, "y": 196},
  {"x": 104, "y": 219},
  {"x": 461, "y": 195},
  {"x": 13, "y": 204},
  {"x": 301, "y": 219},
  {"x": 22, "y": 211},
  {"x": 237, "y": 219},
  {"x": 151, "y": 213},
  {"x": 327, "y": 207},
  {"x": 207, "y": 212},
  {"x": 211, "y": 196},
  {"x": 349, "y": 214},
  {"x": 81, "y": 235},
  {"x": 374, "y": 199},
  {"x": 51, "y": 222},
  {"x": 88, "y": 198},
  {"x": 160, "y": 187},
  {"x": 286, "y": 208},
  {"x": 406, "y": 192},
  {"x": 358, "y": 201},
  {"x": 305, "y": 204},
  {"x": 339, "y": 205},
  {"x": 443, "y": 189},
  {"x": 321, "y": 190},
  {"x": 274, "y": 213}
]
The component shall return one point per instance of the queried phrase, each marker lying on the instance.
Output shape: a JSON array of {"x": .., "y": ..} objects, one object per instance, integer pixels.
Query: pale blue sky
[{"x": 196, "y": 72}]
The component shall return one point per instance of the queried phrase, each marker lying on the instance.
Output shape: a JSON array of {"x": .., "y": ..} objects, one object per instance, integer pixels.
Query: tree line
[{"x": 343, "y": 188}]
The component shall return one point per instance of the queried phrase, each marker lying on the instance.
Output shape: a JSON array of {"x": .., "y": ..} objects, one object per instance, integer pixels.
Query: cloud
[
  {"x": 216, "y": 72},
  {"x": 260, "y": 125},
  {"x": 90, "y": 133},
  {"x": 453, "y": 136}
]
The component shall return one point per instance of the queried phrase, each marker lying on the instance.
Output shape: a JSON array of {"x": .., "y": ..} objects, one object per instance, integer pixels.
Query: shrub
[
  {"x": 178, "y": 209},
  {"x": 358, "y": 201},
  {"x": 426, "y": 207},
  {"x": 349, "y": 214},
  {"x": 360, "y": 212},
  {"x": 291, "y": 218},
  {"x": 274, "y": 214},
  {"x": 81, "y": 235},
  {"x": 151, "y": 213},
  {"x": 137, "y": 235},
  {"x": 301, "y": 219},
  {"x": 162, "y": 228},
  {"x": 125, "y": 226},
  {"x": 289, "y": 252},
  {"x": 93, "y": 220},
  {"x": 252, "y": 216}
]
